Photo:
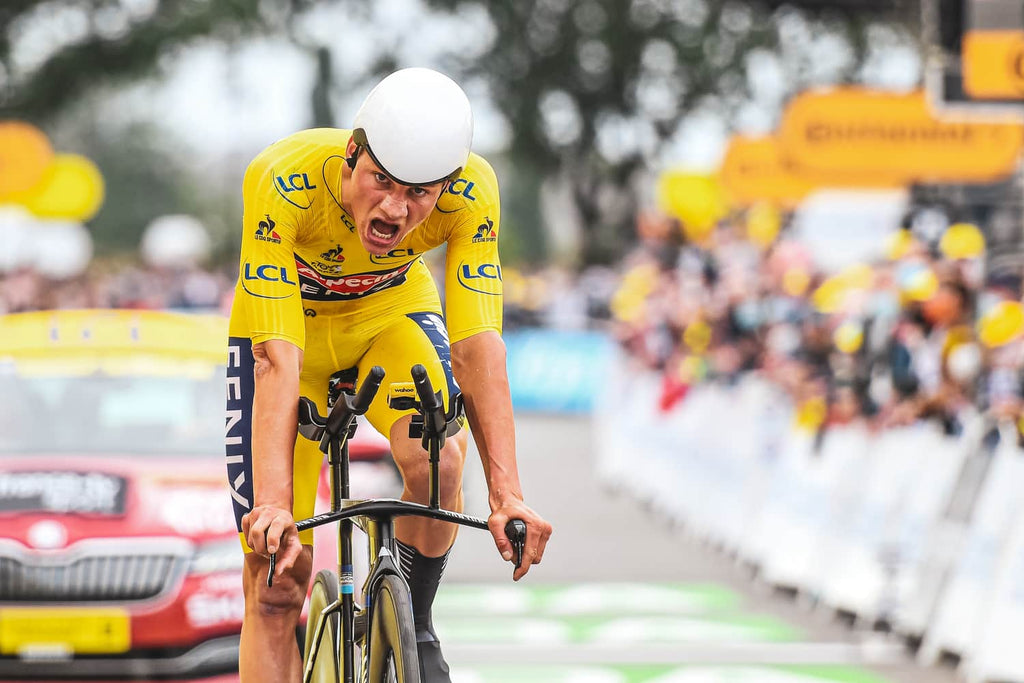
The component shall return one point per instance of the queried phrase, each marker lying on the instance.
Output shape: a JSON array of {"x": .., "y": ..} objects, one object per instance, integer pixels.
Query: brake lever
[
  {"x": 515, "y": 529},
  {"x": 273, "y": 563}
]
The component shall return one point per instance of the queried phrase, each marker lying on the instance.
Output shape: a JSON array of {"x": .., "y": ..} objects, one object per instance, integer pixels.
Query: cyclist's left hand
[{"x": 538, "y": 531}]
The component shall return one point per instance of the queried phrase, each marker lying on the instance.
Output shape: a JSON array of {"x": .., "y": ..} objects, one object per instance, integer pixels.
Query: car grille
[{"x": 107, "y": 577}]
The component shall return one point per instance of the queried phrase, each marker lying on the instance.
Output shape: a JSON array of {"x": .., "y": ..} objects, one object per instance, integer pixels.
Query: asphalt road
[{"x": 622, "y": 596}]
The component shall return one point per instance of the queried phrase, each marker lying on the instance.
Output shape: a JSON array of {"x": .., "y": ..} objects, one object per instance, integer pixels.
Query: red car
[{"x": 119, "y": 556}]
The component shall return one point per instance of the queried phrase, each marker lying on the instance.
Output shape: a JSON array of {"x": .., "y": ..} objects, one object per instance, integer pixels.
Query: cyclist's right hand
[{"x": 270, "y": 530}]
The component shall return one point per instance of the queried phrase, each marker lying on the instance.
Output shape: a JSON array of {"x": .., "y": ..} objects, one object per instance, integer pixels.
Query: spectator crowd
[{"x": 922, "y": 333}]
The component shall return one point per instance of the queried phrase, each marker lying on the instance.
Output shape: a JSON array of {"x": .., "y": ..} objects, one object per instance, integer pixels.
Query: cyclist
[{"x": 332, "y": 278}]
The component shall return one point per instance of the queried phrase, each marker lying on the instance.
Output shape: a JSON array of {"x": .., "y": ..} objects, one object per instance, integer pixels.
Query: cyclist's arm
[
  {"x": 268, "y": 310},
  {"x": 275, "y": 420},
  {"x": 479, "y": 366}
]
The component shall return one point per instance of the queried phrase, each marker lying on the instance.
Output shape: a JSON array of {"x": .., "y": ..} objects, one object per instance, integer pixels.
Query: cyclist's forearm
[
  {"x": 479, "y": 366},
  {"x": 274, "y": 422}
]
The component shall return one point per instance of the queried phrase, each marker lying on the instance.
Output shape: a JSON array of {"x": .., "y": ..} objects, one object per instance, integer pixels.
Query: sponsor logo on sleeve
[
  {"x": 485, "y": 232},
  {"x": 265, "y": 231},
  {"x": 484, "y": 278},
  {"x": 265, "y": 281},
  {"x": 317, "y": 286},
  {"x": 293, "y": 186}
]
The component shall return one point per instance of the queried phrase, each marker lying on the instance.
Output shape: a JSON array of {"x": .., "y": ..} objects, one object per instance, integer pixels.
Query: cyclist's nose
[{"x": 395, "y": 208}]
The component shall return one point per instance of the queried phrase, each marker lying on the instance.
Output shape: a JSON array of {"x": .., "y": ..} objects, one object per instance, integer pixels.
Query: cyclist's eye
[
  {"x": 380, "y": 177},
  {"x": 419, "y": 192}
]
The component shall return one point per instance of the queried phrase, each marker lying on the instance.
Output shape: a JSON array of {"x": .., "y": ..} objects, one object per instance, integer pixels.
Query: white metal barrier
[{"x": 908, "y": 526}]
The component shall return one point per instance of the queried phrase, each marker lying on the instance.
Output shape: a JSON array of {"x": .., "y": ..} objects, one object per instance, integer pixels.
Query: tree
[{"x": 592, "y": 90}]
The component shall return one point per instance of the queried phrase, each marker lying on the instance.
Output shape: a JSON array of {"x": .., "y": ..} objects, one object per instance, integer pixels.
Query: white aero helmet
[{"x": 417, "y": 126}]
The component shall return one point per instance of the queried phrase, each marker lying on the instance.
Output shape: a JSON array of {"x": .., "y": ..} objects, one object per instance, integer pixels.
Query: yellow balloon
[
  {"x": 962, "y": 240},
  {"x": 857, "y": 276},
  {"x": 1002, "y": 324},
  {"x": 897, "y": 244},
  {"x": 921, "y": 285},
  {"x": 25, "y": 153},
  {"x": 71, "y": 188},
  {"x": 697, "y": 336},
  {"x": 829, "y": 296},
  {"x": 698, "y": 201},
  {"x": 811, "y": 414},
  {"x": 848, "y": 337},
  {"x": 763, "y": 223}
]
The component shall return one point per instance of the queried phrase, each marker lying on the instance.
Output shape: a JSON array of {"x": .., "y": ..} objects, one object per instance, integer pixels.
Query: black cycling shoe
[{"x": 433, "y": 668}]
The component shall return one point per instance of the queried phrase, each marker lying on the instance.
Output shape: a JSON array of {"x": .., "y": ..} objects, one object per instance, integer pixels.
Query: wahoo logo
[
  {"x": 266, "y": 233},
  {"x": 485, "y": 232},
  {"x": 402, "y": 396}
]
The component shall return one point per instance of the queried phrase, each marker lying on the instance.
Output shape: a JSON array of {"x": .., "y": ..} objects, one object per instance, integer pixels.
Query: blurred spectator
[{"x": 917, "y": 336}]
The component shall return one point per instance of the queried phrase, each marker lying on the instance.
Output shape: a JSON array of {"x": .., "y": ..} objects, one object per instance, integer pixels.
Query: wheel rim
[{"x": 325, "y": 666}]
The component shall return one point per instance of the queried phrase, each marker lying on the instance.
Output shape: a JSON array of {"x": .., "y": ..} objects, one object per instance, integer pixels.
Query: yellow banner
[
  {"x": 863, "y": 132},
  {"x": 754, "y": 170},
  {"x": 993, "y": 64}
]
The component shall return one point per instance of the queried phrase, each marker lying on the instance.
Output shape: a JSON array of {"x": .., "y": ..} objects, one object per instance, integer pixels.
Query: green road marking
[
  {"x": 583, "y": 599},
  {"x": 512, "y": 673},
  {"x": 614, "y": 630}
]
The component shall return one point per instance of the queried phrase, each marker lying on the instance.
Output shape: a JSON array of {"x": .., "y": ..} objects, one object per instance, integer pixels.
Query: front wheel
[
  {"x": 323, "y": 594},
  {"x": 392, "y": 636}
]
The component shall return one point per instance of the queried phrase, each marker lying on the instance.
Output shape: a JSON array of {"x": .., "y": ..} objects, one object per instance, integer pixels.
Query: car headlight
[{"x": 219, "y": 556}]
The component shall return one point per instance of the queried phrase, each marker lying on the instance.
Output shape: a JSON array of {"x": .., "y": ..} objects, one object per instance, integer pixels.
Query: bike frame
[{"x": 376, "y": 518}]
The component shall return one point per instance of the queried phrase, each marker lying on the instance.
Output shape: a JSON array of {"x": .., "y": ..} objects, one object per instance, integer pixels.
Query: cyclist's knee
[
  {"x": 285, "y": 598},
  {"x": 415, "y": 465}
]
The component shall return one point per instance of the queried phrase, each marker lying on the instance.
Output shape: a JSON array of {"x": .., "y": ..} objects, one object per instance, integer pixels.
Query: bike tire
[
  {"x": 326, "y": 668},
  {"x": 392, "y": 635}
]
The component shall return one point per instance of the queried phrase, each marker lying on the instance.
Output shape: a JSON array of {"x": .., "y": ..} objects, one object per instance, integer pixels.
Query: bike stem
[{"x": 435, "y": 479}]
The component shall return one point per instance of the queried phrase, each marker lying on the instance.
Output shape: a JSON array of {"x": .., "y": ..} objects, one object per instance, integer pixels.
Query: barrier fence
[{"x": 906, "y": 528}]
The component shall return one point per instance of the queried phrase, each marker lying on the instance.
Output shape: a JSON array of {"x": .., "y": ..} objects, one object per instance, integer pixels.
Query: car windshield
[{"x": 156, "y": 409}]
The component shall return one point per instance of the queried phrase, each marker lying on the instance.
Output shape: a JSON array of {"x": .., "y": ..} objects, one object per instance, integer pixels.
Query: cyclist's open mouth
[{"x": 381, "y": 233}]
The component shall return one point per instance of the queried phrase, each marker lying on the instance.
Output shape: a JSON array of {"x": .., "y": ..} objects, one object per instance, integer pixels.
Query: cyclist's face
[{"x": 385, "y": 211}]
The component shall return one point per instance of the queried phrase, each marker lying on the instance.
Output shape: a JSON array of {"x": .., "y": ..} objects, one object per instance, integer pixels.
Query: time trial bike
[{"x": 382, "y": 629}]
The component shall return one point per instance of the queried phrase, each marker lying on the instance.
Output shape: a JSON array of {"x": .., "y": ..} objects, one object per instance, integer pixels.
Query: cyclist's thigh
[
  {"x": 409, "y": 339},
  {"x": 307, "y": 458}
]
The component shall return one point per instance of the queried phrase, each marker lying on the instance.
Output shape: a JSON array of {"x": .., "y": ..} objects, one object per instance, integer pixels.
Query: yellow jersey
[{"x": 301, "y": 256}]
